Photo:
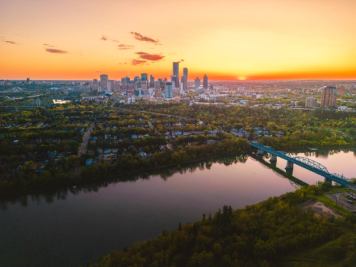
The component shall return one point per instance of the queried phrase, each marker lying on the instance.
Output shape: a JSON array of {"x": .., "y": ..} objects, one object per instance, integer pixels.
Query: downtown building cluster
[{"x": 146, "y": 86}]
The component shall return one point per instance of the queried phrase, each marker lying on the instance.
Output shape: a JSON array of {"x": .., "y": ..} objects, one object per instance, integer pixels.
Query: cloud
[
  {"x": 56, "y": 51},
  {"x": 125, "y": 46},
  {"x": 148, "y": 56},
  {"x": 138, "y": 62},
  {"x": 106, "y": 38},
  {"x": 10, "y": 42},
  {"x": 140, "y": 37},
  {"x": 48, "y": 45}
]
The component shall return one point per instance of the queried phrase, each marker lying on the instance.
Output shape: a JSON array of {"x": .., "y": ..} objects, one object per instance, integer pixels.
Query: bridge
[{"x": 303, "y": 162}]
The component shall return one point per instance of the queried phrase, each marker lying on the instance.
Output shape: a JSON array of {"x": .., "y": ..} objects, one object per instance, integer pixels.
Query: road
[{"x": 84, "y": 145}]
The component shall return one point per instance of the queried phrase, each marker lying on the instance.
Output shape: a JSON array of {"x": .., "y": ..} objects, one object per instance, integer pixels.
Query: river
[{"x": 74, "y": 228}]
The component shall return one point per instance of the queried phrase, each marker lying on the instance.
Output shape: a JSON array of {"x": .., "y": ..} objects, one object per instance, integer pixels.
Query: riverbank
[
  {"x": 127, "y": 168},
  {"x": 280, "y": 231},
  {"x": 58, "y": 227},
  {"x": 132, "y": 168},
  {"x": 305, "y": 146}
]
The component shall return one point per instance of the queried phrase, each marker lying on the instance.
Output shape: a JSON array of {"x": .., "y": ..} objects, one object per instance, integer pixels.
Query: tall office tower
[
  {"x": 152, "y": 82},
  {"x": 162, "y": 83},
  {"x": 110, "y": 85},
  {"x": 95, "y": 85},
  {"x": 196, "y": 83},
  {"x": 205, "y": 82},
  {"x": 310, "y": 102},
  {"x": 328, "y": 98},
  {"x": 144, "y": 81},
  {"x": 174, "y": 80},
  {"x": 157, "y": 85},
  {"x": 138, "y": 88},
  {"x": 143, "y": 77},
  {"x": 125, "y": 81},
  {"x": 168, "y": 90},
  {"x": 185, "y": 79},
  {"x": 104, "y": 79},
  {"x": 175, "y": 76}
]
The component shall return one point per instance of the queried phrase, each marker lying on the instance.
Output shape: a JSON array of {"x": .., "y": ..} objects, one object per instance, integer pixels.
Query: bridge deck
[{"x": 311, "y": 165}]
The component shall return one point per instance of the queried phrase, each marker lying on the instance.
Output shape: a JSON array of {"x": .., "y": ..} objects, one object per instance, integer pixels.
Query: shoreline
[
  {"x": 262, "y": 221},
  {"x": 87, "y": 179}
]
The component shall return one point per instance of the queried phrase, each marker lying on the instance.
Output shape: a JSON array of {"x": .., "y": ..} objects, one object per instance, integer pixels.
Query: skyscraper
[
  {"x": 143, "y": 76},
  {"x": 205, "y": 82},
  {"x": 328, "y": 98},
  {"x": 185, "y": 79},
  {"x": 104, "y": 79},
  {"x": 196, "y": 83},
  {"x": 152, "y": 82},
  {"x": 175, "y": 76},
  {"x": 168, "y": 90},
  {"x": 95, "y": 85},
  {"x": 138, "y": 88}
]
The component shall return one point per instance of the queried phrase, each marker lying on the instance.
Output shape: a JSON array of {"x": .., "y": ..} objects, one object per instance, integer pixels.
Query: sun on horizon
[{"x": 295, "y": 39}]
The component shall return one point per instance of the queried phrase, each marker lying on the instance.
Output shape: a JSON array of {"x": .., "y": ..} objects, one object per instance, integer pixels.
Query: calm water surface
[{"x": 80, "y": 227}]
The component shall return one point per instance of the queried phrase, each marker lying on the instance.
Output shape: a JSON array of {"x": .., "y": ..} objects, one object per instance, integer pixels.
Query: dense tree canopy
[{"x": 276, "y": 232}]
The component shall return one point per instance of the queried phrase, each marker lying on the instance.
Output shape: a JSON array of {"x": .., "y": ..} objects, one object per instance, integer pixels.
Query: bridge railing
[{"x": 304, "y": 162}]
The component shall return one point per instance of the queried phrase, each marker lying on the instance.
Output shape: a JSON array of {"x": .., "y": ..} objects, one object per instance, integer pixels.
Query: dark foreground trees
[{"x": 277, "y": 232}]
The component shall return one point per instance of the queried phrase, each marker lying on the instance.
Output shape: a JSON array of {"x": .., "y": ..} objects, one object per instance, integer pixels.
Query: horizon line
[{"x": 216, "y": 80}]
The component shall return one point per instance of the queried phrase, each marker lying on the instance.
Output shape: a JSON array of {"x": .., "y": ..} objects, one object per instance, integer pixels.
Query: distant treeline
[{"x": 127, "y": 167}]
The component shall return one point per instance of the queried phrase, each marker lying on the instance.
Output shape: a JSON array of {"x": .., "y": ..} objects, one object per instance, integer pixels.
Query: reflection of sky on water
[{"x": 85, "y": 225}]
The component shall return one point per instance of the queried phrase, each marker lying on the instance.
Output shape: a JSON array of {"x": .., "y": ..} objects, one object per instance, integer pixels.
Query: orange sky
[{"x": 228, "y": 39}]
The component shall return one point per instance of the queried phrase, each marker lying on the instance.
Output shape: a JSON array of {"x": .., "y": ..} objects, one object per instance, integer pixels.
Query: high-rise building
[
  {"x": 185, "y": 79},
  {"x": 95, "y": 85},
  {"x": 152, "y": 82},
  {"x": 143, "y": 77},
  {"x": 196, "y": 83},
  {"x": 168, "y": 90},
  {"x": 174, "y": 80},
  {"x": 328, "y": 98},
  {"x": 310, "y": 102},
  {"x": 125, "y": 81},
  {"x": 175, "y": 76},
  {"x": 205, "y": 82},
  {"x": 104, "y": 82},
  {"x": 138, "y": 88}
]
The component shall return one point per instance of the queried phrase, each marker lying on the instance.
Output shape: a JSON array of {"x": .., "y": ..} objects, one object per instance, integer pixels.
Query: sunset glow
[{"x": 229, "y": 39}]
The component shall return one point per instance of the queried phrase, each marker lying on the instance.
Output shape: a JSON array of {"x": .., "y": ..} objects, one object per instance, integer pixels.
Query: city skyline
[{"x": 229, "y": 40}]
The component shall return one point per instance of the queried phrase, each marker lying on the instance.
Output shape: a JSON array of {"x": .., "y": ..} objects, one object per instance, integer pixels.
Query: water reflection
[
  {"x": 61, "y": 194},
  {"x": 296, "y": 183},
  {"x": 73, "y": 226},
  {"x": 318, "y": 155},
  {"x": 324, "y": 153}
]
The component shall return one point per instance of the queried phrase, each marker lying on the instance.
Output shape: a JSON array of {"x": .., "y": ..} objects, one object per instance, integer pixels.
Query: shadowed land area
[{"x": 277, "y": 232}]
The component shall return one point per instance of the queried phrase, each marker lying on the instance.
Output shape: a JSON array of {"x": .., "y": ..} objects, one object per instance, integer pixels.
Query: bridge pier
[
  {"x": 303, "y": 162},
  {"x": 260, "y": 153},
  {"x": 273, "y": 160},
  {"x": 289, "y": 167}
]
